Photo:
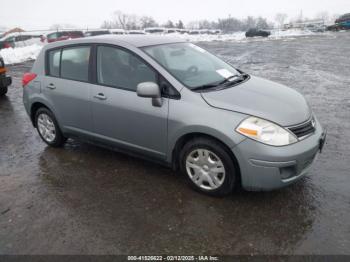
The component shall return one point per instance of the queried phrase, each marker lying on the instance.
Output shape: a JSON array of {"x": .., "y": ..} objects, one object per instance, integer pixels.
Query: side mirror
[{"x": 150, "y": 90}]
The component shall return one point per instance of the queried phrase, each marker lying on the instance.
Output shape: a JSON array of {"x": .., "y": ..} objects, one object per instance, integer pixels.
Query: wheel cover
[
  {"x": 205, "y": 169},
  {"x": 46, "y": 127}
]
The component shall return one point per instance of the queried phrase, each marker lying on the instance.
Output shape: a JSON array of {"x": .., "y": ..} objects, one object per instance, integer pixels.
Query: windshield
[{"x": 191, "y": 65}]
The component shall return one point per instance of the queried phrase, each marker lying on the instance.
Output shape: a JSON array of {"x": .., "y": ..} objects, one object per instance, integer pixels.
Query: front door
[{"x": 119, "y": 115}]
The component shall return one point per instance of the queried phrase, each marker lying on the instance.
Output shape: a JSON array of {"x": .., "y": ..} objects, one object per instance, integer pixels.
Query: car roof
[{"x": 134, "y": 40}]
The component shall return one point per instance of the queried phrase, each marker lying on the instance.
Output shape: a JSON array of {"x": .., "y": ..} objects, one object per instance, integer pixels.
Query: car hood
[{"x": 262, "y": 98}]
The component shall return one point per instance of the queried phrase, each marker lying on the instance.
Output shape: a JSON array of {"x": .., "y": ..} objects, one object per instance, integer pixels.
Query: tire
[
  {"x": 207, "y": 162},
  {"x": 48, "y": 129},
  {"x": 3, "y": 90}
]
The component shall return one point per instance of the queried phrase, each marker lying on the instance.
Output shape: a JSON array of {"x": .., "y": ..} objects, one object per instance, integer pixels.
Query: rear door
[
  {"x": 119, "y": 115},
  {"x": 66, "y": 87}
]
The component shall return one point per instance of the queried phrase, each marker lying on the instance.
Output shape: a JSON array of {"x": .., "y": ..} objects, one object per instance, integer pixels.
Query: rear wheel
[
  {"x": 208, "y": 167},
  {"x": 48, "y": 128},
  {"x": 3, "y": 90}
]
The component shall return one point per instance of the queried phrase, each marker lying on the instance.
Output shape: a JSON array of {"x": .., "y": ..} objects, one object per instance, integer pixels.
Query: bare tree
[
  {"x": 227, "y": 25},
  {"x": 120, "y": 19},
  {"x": 280, "y": 18},
  {"x": 231, "y": 24},
  {"x": 205, "y": 24},
  {"x": 107, "y": 25},
  {"x": 193, "y": 25},
  {"x": 250, "y": 22},
  {"x": 180, "y": 25},
  {"x": 169, "y": 24},
  {"x": 125, "y": 21},
  {"x": 148, "y": 21},
  {"x": 261, "y": 23},
  {"x": 134, "y": 22}
]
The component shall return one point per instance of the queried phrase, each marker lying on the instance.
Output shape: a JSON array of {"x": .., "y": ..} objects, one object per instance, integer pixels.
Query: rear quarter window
[{"x": 54, "y": 63}]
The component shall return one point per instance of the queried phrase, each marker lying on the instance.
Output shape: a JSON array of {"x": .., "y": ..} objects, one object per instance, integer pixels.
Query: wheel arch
[
  {"x": 185, "y": 138},
  {"x": 34, "y": 108}
]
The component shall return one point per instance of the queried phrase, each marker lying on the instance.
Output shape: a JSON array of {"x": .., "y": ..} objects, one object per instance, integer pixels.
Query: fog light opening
[{"x": 288, "y": 172}]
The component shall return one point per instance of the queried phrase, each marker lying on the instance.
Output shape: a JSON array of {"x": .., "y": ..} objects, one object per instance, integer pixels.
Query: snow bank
[
  {"x": 20, "y": 54},
  {"x": 240, "y": 36},
  {"x": 291, "y": 33}
]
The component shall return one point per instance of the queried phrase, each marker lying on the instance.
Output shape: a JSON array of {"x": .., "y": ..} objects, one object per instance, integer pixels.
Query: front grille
[{"x": 303, "y": 130}]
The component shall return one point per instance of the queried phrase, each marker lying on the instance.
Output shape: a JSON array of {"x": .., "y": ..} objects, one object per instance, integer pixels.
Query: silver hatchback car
[{"x": 176, "y": 103}]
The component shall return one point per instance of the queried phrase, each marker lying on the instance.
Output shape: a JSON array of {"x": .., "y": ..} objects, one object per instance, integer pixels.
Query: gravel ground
[{"x": 86, "y": 200}]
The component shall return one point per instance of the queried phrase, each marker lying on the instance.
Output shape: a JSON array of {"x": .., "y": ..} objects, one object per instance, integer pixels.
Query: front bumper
[
  {"x": 265, "y": 168},
  {"x": 5, "y": 81}
]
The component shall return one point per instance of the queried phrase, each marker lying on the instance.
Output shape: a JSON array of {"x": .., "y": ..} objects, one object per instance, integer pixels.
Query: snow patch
[
  {"x": 240, "y": 36},
  {"x": 20, "y": 54}
]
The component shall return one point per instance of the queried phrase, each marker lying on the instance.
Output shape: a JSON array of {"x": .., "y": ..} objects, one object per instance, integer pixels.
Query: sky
[{"x": 41, "y": 14}]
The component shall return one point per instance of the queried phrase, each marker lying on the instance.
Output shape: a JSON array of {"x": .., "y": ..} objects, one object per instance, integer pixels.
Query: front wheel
[
  {"x": 48, "y": 128},
  {"x": 208, "y": 167}
]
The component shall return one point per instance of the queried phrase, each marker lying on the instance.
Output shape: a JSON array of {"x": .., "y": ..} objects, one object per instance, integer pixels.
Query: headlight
[{"x": 265, "y": 132}]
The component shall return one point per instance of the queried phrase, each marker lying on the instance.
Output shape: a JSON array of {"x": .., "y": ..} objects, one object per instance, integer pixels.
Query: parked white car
[{"x": 20, "y": 39}]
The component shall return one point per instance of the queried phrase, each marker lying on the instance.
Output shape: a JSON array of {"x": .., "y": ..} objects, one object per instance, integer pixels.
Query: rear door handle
[
  {"x": 51, "y": 86},
  {"x": 100, "y": 96}
]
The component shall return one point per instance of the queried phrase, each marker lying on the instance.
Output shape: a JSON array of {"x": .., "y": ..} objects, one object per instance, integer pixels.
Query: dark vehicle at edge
[
  {"x": 5, "y": 81},
  {"x": 342, "y": 23},
  {"x": 253, "y": 32}
]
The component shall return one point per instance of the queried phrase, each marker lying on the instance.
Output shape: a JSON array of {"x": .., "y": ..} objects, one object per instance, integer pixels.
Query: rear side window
[
  {"x": 75, "y": 63},
  {"x": 54, "y": 62}
]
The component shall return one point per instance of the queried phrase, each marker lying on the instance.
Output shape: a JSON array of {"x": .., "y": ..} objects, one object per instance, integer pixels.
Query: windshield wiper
[
  {"x": 203, "y": 87},
  {"x": 239, "y": 78}
]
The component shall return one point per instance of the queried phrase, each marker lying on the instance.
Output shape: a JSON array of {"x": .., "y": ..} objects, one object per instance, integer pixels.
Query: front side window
[
  {"x": 190, "y": 64},
  {"x": 54, "y": 62},
  {"x": 75, "y": 63},
  {"x": 119, "y": 68}
]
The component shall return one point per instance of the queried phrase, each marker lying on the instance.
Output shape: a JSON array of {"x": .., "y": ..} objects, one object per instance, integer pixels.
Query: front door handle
[
  {"x": 100, "y": 96},
  {"x": 51, "y": 86}
]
